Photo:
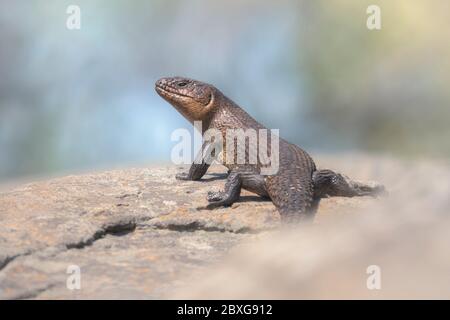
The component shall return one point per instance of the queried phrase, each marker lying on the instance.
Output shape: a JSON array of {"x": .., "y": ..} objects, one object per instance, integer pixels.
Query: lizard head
[{"x": 193, "y": 99}]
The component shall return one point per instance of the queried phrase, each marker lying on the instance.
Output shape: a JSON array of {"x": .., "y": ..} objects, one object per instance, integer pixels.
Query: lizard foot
[
  {"x": 217, "y": 199},
  {"x": 215, "y": 196},
  {"x": 184, "y": 176},
  {"x": 372, "y": 189},
  {"x": 229, "y": 196}
]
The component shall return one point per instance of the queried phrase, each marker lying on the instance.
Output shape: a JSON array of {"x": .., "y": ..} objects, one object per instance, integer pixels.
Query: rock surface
[
  {"x": 395, "y": 248},
  {"x": 139, "y": 233}
]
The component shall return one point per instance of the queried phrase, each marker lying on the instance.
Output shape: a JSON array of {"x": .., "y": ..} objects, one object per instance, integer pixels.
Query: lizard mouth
[{"x": 167, "y": 91}]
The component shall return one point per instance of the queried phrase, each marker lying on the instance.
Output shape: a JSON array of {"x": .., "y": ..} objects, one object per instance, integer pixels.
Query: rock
[
  {"x": 396, "y": 248},
  {"x": 134, "y": 233}
]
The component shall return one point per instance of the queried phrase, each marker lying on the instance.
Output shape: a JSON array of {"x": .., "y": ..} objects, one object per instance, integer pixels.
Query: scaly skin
[{"x": 295, "y": 189}]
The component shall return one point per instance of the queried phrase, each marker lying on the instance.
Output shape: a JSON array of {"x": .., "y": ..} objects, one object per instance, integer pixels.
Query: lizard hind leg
[{"x": 328, "y": 183}]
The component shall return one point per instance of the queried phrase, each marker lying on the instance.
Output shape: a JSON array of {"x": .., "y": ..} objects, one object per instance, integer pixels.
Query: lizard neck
[{"x": 217, "y": 117}]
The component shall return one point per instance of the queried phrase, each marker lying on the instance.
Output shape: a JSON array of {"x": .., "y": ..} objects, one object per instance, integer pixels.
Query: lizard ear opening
[
  {"x": 211, "y": 100},
  {"x": 210, "y": 104}
]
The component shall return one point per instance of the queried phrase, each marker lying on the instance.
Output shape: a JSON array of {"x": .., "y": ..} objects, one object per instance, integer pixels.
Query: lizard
[{"x": 297, "y": 186}]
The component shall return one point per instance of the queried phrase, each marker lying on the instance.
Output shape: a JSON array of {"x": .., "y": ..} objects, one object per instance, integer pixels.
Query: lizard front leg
[
  {"x": 230, "y": 195},
  {"x": 196, "y": 172},
  {"x": 200, "y": 165}
]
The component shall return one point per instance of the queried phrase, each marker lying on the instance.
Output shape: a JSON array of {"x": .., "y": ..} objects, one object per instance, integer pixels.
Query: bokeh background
[{"x": 84, "y": 99}]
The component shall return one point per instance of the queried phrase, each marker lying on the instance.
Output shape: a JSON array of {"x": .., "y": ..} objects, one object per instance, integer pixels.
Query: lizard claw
[
  {"x": 214, "y": 196},
  {"x": 182, "y": 176},
  {"x": 373, "y": 190}
]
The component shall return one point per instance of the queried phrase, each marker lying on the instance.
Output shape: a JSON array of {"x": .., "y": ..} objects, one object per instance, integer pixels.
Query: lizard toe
[
  {"x": 214, "y": 196},
  {"x": 182, "y": 176}
]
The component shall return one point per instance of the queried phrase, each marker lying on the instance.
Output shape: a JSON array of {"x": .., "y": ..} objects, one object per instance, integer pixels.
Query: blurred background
[{"x": 84, "y": 99}]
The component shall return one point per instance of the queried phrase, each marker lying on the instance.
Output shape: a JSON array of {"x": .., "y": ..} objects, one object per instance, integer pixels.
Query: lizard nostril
[{"x": 160, "y": 82}]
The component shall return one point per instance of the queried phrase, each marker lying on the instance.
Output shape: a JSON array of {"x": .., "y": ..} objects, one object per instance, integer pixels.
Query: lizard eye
[{"x": 182, "y": 84}]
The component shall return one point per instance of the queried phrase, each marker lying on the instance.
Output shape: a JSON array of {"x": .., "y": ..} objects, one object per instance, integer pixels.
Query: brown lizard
[{"x": 297, "y": 186}]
